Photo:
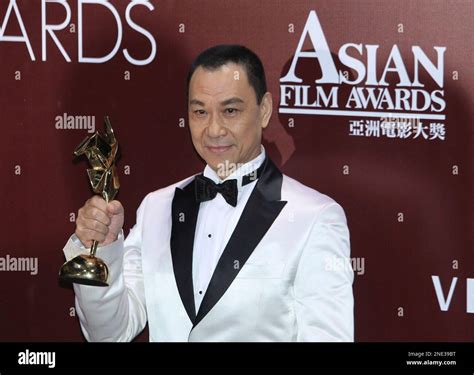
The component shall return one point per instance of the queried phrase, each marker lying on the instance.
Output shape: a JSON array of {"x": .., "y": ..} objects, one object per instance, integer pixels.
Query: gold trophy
[{"x": 101, "y": 150}]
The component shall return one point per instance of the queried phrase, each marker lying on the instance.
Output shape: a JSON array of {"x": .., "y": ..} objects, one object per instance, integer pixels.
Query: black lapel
[
  {"x": 184, "y": 211},
  {"x": 263, "y": 207}
]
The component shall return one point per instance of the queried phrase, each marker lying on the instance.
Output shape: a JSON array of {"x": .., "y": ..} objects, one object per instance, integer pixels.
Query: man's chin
[{"x": 215, "y": 159}]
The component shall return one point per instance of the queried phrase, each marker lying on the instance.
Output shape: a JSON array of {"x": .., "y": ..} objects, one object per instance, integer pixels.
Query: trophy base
[
  {"x": 85, "y": 270},
  {"x": 77, "y": 280}
]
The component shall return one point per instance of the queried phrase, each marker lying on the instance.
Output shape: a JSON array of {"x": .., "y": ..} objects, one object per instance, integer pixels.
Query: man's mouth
[{"x": 218, "y": 149}]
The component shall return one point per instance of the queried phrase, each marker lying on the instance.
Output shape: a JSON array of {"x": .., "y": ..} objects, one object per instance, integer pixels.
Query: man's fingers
[
  {"x": 91, "y": 224},
  {"x": 99, "y": 221},
  {"x": 98, "y": 202},
  {"x": 94, "y": 213},
  {"x": 115, "y": 208}
]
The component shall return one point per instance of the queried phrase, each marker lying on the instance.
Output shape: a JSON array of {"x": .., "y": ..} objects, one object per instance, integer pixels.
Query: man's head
[{"x": 228, "y": 105}]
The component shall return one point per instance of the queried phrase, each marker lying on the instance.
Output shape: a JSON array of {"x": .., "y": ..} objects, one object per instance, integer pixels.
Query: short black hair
[{"x": 217, "y": 56}]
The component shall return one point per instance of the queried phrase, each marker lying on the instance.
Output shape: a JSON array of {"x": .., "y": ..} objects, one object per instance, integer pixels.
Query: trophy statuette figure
[{"x": 101, "y": 151}]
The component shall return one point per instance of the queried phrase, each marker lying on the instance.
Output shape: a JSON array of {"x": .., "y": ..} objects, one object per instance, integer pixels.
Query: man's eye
[
  {"x": 200, "y": 112},
  {"x": 231, "y": 111}
]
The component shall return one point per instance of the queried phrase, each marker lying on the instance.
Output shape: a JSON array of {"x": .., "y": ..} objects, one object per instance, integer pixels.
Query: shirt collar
[{"x": 243, "y": 170}]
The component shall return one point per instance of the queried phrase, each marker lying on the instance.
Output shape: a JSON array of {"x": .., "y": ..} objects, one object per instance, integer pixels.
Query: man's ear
[{"x": 266, "y": 108}]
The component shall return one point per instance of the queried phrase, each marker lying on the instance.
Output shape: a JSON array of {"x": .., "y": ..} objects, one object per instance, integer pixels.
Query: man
[{"x": 238, "y": 253}]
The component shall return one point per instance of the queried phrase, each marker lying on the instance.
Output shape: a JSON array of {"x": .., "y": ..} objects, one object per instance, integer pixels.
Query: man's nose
[{"x": 215, "y": 129}]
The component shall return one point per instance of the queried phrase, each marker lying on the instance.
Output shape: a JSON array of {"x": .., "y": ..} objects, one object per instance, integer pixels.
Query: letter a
[
  {"x": 321, "y": 52},
  {"x": 8, "y": 38}
]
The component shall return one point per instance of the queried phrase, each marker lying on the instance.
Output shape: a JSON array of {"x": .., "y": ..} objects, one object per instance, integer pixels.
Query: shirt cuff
[{"x": 74, "y": 247}]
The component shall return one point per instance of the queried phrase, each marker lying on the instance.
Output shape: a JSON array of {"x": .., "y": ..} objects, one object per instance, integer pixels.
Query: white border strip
[{"x": 333, "y": 112}]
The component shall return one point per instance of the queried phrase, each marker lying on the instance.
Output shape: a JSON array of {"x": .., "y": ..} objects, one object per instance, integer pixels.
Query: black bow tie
[{"x": 206, "y": 189}]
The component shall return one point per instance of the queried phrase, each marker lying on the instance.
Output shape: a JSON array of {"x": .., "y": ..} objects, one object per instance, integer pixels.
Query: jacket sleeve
[
  {"x": 323, "y": 283},
  {"x": 116, "y": 312}
]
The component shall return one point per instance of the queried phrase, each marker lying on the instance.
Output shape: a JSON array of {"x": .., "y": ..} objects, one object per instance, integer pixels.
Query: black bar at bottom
[{"x": 407, "y": 357}]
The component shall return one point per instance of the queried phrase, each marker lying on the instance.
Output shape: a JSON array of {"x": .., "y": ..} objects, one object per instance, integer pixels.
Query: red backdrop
[{"x": 408, "y": 199}]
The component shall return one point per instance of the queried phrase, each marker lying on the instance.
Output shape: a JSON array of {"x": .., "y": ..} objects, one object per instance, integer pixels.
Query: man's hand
[{"x": 99, "y": 221}]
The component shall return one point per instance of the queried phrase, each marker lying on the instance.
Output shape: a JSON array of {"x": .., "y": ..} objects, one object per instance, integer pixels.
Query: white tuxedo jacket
[{"x": 283, "y": 276}]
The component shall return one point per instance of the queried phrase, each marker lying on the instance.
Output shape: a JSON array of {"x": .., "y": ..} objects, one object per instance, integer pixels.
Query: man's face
[{"x": 225, "y": 120}]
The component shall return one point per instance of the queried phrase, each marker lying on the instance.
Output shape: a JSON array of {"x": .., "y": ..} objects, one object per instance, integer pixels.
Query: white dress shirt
[{"x": 216, "y": 222}]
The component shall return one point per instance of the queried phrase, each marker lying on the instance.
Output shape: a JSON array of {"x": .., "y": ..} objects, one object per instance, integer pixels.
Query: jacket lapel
[
  {"x": 263, "y": 207},
  {"x": 184, "y": 210}
]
